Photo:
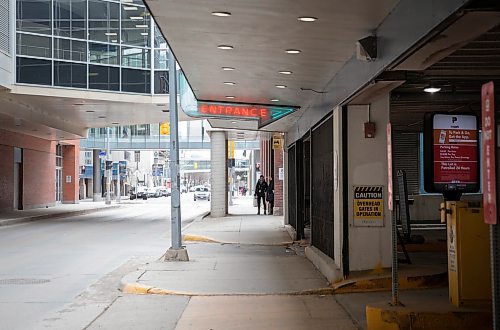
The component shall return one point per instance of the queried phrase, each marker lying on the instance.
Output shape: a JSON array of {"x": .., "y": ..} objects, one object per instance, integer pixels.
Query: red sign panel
[
  {"x": 390, "y": 202},
  {"x": 233, "y": 111},
  {"x": 455, "y": 150},
  {"x": 488, "y": 157}
]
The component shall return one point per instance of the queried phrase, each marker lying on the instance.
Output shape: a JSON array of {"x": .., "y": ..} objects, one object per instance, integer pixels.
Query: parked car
[
  {"x": 165, "y": 192},
  {"x": 140, "y": 194},
  {"x": 202, "y": 193}
]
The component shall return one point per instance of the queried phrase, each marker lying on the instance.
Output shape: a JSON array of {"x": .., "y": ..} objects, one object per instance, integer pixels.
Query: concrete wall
[
  {"x": 369, "y": 247},
  {"x": 38, "y": 170}
]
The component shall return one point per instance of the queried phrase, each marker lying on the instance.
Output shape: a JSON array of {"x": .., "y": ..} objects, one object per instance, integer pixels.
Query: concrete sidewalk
[
  {"x": 243, "y": 273},
  {"x": 60, "y": 210}
]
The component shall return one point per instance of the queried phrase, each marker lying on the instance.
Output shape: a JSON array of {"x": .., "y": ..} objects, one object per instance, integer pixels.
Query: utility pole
[{"x": 176, "y": 251}]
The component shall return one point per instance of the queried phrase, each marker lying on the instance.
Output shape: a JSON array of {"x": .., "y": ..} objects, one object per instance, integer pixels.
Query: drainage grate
[{"x": 23, "y": 281}]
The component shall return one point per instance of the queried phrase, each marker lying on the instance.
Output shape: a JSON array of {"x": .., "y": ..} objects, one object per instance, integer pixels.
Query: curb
[
  {"x": 411, "y": 282},
  {"x": 8, "y": 222},
  {"x": 205, "y": 239},
  {"x": 383, "y": 316}
]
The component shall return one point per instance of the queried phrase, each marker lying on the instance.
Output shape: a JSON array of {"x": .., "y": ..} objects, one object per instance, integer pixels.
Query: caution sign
[
  {"x": 369, "y": 206},
  {"x": 277, "y": 143}
]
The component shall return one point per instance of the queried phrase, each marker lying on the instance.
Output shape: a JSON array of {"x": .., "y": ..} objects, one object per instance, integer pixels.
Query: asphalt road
[{"x": 45, "y": 264}]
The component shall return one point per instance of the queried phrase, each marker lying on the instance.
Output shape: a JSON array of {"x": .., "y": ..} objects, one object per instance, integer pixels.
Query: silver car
[{"x": 202, "y": 193}]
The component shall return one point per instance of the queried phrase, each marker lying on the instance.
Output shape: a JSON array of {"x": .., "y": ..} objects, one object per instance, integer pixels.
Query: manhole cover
[{"x": 23, "y": 281}]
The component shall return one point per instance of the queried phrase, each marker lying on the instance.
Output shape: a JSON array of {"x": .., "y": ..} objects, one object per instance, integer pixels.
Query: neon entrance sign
[{"x": 233, "y": 110}]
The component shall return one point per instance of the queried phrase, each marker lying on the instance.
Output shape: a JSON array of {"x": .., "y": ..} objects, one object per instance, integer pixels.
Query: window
[
  {"x": 159, "y": 41},
  {"x": 104, "y": 78},
  {"x": 70, "y": 74},
  {"x": 33, "y": 71},
  {"x": 104, "y": 53},
  {"x": 161, "y": 82},
  {"x": 136, "y": 81},
  {"x": 135, "y": 57},
  {"x": 33, "y": 45},
  {"x": 104, "y": 21},
  {"x": 135, "y": 26},
  {"x": 70, "y": 18},
  {"x": 161, "y": 59},
  {"x": 34, "y": 16},
  {"x": 72, "y": 50}
]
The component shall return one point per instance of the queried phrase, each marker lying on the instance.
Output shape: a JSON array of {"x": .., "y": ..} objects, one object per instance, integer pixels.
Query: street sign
[
  {"x": 488, "y": 156},
  {"x": 390, "y": 198},
  {"x": 137, "y": 156},
  {"x": 102, "y": 154}
]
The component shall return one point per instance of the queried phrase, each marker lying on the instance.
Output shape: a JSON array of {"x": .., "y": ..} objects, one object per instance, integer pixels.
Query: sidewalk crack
[{"x": 101, "y": 313}]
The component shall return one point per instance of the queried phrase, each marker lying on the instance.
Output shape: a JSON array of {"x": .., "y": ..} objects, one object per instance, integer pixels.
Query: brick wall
[
  {"x": 278, "y": 184},
  {"x": 38, "y": 170},
  {"x": 6, "y": 177}
]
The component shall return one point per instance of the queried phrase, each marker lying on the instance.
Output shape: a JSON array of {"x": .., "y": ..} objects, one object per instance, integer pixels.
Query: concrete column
[
  {"x": 97, "y": 175},
  {"x": 71, "y": 177},
  {"x": 278, "y": 184},
  {"x": 218, "y": 177},
  {"x": 369, "y": 247}
]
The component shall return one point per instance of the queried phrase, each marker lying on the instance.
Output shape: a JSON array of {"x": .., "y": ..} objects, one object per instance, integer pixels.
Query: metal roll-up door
[{"x": 406, "y": 157}]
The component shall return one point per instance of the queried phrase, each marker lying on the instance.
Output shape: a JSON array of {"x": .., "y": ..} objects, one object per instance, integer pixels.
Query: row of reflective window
[
  {"x": 75, "y": 50},
  {"x": 96, "y": 20},
  {"x": 100, "y": 77}
]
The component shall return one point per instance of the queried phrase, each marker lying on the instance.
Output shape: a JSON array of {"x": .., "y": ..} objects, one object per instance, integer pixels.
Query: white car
[{"x": 202, "y": 193}]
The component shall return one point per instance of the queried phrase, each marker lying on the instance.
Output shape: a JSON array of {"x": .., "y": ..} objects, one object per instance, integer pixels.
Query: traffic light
[{"x": 165, "y": 129}]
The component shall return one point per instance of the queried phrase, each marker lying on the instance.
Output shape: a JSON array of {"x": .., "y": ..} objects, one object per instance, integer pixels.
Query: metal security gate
[{"x": 322, "y": 187}]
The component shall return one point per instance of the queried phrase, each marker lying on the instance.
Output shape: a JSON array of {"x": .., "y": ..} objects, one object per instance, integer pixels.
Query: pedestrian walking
[
  {"x": 260, "y": 193},
  {"x": 270, "y": 195}
]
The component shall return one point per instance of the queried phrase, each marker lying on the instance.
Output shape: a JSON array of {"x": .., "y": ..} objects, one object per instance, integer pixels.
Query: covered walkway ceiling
[{"x": 260, "y": 32}]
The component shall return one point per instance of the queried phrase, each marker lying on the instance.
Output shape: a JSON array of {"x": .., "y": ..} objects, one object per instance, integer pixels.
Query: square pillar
[
  {"x": 71, "y": 177},
  {"x": 218, "y": 174}
]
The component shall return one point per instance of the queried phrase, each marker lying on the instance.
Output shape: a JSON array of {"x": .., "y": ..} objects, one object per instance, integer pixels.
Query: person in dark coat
[
  {"x": 270, "y": 195},
  {"x": 260, "y": 193}
]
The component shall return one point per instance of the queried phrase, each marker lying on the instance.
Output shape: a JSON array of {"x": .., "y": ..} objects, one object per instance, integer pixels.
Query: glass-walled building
[{"x": 90, "y": 44}]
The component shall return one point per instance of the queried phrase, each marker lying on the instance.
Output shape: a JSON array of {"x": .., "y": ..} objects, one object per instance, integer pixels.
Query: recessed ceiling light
[
  {"x": 135, "y": 18},
  {"x": 114, "y": 40},
  {"x": 431, "y": 89},
  {"x": 307, "y": 19},
  {"x": 230, "y": 83},
  {"x": 280, "y": 86},
  {"x": 227, "y": 68},
  {"x": 221, "y": 13},
  {"x": 274, "y": 100},
  {"x": 110, "y": 34},
  {"x": 89, "y": 111},
  {"x": 144, "y": 33},
  {"x": 102, "y": 117},
  {"x": 293, "y": 51},
  {"x": 164, "y": 110},
  {"x": 115, "y": 123},
  {"x": 129, "y": 8},
  {"x": 225, "y": 47},
  {"x": 233, "y": 122},
  {"x": 142, "y": 26},
  {"x": 229, "y": 97},
  {"x": 286, "y": 72}
]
